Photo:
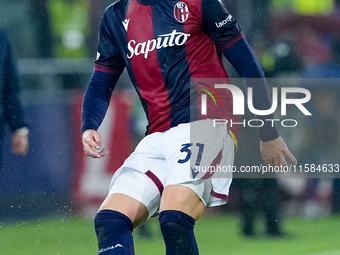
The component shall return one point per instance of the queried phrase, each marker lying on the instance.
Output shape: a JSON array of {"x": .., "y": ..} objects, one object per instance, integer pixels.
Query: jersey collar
[{"x": 148, "y": 2}]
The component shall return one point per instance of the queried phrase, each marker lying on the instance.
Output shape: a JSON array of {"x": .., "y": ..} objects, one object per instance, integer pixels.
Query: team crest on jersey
[{"x": 181, "y": 12}]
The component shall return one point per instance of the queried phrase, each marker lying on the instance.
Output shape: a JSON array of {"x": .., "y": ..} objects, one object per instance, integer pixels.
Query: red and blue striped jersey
[{"x": 170, "y": 49}]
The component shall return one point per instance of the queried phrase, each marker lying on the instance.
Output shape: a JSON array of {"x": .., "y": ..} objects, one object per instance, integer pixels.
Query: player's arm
[
  {"x": 108, "y": 68},
  {"x": 95, "y": 104},
  {"x": 273, "y": 148},
  {"x": 242, "y": 58},
  {"x": 223, "y": 28}
]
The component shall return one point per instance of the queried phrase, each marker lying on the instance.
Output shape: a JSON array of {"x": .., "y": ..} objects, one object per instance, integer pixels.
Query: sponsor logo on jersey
[
  {"x": 181, "y": 12},
  {"x": 162, "y": 41},
  {"x": 126, "y": 24},
  {"x": 229, "y": 19}
]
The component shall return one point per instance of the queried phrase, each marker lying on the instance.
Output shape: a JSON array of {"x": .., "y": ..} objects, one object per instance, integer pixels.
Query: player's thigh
[
  {"x": 182, "y": 198},
  {"x": 134, "y": 194},
  {"x": 129, "y": 206}
]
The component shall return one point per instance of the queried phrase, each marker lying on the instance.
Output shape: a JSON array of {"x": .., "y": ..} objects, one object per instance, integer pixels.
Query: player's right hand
[{"x": 92, "y": 144}]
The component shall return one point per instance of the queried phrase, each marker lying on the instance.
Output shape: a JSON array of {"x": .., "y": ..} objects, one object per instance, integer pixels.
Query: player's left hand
[
  {"x": 274, "y": 153},
  {"x": 20, "y": 144}
]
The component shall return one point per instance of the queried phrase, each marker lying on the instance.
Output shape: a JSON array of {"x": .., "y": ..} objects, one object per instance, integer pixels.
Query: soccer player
[{"x": 172, "y": 51}]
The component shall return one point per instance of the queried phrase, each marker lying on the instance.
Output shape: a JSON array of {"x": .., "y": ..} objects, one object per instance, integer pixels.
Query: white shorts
[{"x": 171, "y": 158}]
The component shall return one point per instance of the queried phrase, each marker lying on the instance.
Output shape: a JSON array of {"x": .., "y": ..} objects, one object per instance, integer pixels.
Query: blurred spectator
[
  {"x": 262, "y": 195},
  {"x": 259, "y": 197},
  {"x": 11, "y": 111}
]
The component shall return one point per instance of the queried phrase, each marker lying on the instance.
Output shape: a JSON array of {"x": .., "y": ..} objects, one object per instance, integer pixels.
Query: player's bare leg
[
  {"x": 181, "y": 198},
  {"x": 180, "y": 208},
  {"x": 132, "y": 208},
  {"x": 117, "y": 217}
]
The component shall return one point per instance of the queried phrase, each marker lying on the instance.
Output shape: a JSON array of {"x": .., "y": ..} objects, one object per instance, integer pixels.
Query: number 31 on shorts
[{"x": 186, "y": 149}]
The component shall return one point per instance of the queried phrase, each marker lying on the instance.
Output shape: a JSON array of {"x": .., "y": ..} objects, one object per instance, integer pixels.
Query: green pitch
[{"x": 216, "y": 236}]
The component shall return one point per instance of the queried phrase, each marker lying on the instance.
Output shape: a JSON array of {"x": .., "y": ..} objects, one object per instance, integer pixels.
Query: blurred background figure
[{"x": 11, "y": 111}]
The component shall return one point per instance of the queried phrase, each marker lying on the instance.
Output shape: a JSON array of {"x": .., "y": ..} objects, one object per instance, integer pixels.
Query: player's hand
[
  {"x": 19, "y": 144},
  {"x": 274, "y": 153},
  {"x": 92, "y": 144}
]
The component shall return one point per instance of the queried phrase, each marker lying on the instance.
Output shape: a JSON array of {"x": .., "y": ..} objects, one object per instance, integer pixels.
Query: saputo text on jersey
[{"x": 162, "y": 41}]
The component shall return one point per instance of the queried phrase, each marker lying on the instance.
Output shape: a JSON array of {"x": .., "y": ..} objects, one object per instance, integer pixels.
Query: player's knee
[
  {"x": 170, "y": 218},
  {"x": 178, "y": 232},
  {"x": 111, "y": 227}
]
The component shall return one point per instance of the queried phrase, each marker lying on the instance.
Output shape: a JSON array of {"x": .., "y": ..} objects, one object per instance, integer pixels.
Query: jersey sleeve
[
  {"x": 109, "y": 58},
  {"x": 219, "y": 24},
  {"x": 108, "y": 68}
]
